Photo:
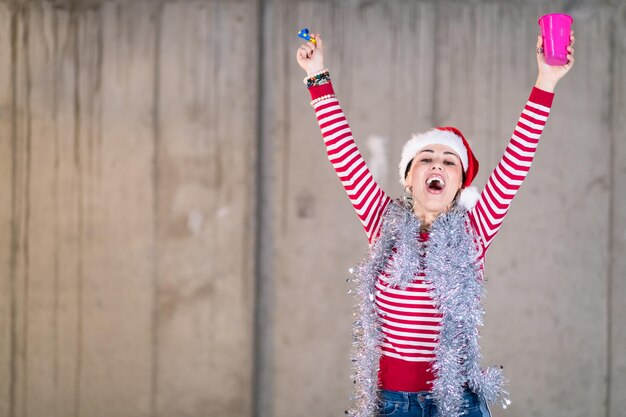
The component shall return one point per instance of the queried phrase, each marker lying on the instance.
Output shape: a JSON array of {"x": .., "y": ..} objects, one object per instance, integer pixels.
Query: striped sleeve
[
  {"x": 507, "y": 178},
  {"x": 367, "y": 198}
]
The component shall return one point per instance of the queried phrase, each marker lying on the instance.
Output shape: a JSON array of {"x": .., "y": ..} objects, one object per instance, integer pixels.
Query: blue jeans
[{"x": 420, "y": 404}]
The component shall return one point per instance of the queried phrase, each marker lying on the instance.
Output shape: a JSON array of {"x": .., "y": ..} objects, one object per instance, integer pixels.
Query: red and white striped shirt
[{"x": 410, "y": 319}]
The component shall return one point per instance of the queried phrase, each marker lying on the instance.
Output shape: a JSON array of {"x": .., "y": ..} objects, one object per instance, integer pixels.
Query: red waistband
[{"x": 400, "y": 375}]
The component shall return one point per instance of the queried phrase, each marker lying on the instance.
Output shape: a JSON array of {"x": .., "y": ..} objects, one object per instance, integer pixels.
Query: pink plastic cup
[{"x": 555, "y": 31}]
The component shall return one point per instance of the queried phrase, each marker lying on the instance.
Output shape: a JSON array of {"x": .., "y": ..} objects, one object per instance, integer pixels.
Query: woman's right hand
[{"x": 310, "y": 55}]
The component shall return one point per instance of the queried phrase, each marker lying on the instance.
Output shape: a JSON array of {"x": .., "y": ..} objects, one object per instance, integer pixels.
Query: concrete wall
[
  {"x": 126, "y": 236},
  {"x": 173, "y": 241}
]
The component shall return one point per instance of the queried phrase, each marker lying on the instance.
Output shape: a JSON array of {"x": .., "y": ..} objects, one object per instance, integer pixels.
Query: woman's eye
[
  {"x": 426, "y": 160},
  {"x": 449, "y": 163}
]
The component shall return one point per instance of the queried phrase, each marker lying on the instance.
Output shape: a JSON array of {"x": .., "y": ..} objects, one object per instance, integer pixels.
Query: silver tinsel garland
[{"x": 448, "y": 261}]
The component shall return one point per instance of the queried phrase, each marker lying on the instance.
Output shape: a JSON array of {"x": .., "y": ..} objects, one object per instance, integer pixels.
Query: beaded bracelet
[
  {"x": 317, "y": 79},
  {"x": 319, "y": 82},
  {"x": 324, "y": 97}
]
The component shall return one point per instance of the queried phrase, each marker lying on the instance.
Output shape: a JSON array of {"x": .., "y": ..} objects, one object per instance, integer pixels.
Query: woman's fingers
[
  {"x": 306, "y": 49},
  {"x": 570, "y": 49},
  {"x": 310, "y": 47},
  {"x": 572, "y": 40},
  {"x": 314, "y": 45},
  {"x": 318, "y": 39},
  {"x": 540, "y": 56}
]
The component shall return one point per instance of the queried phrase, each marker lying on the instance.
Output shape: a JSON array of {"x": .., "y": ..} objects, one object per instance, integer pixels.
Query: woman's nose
[{"x": 436, "y": 166}]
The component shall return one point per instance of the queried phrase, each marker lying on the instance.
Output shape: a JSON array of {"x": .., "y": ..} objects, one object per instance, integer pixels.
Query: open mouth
[{"x": 435, "y": 184}]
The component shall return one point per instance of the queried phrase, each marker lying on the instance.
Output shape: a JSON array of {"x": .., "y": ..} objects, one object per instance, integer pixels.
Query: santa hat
[{"x": 453, "y": 138}]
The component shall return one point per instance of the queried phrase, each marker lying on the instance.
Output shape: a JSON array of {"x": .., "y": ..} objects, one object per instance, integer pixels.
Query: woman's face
[{"x": 436, "y": 176}]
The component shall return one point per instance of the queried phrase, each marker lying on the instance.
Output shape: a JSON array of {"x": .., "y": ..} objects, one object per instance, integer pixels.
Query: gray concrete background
[{"x": 173, "y": 241}]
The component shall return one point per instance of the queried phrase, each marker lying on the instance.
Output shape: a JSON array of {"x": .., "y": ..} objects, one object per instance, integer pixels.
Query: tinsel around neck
[{"x": 449, "y": 263}]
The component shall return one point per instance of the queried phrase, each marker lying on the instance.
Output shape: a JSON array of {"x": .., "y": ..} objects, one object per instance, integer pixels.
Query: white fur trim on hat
[
  {"x": 434, "y": 136},
  {"x": 469, "y": 197}
]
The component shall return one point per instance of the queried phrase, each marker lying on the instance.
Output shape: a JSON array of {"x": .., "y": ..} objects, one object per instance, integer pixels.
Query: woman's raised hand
[
  {"x": 550, "y": 75},
  {"x": 310, "y": 55}
]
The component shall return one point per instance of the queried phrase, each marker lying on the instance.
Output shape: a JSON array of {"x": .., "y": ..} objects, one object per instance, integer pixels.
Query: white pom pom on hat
[
  {"x": 453, "y": 138},
  {"x": 469, "y": 197}
]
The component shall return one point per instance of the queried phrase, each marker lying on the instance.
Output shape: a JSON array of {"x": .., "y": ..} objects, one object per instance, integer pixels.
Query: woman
[{"x": 416, "y": 340}]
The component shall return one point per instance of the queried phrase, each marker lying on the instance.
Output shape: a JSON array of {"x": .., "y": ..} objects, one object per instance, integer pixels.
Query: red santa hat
[{"x": 453, "y": 138}]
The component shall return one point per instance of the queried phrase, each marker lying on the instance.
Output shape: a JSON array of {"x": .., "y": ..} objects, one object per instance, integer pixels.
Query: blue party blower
[{"x": 304, "y": 34}]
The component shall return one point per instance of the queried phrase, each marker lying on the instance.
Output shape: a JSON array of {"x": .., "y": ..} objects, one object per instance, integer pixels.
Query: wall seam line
[
  {"x": 261, "y": 333},
  {"x": 611, "y": 213}
]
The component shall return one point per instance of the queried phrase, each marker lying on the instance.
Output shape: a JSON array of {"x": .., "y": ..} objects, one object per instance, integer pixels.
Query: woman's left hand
[{"x": 550, "y": 75}]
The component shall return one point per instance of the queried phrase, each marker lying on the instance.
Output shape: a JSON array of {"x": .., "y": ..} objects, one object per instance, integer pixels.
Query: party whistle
[{"x": 304, "y": 34}]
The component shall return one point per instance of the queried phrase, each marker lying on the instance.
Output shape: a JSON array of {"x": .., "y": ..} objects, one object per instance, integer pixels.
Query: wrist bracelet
[
  {"x": 318, "y": 82},
  {"x": 321, "y": 98},
  {"x": 323, "y": 70},
  {"x": 318, "y": 79}
]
